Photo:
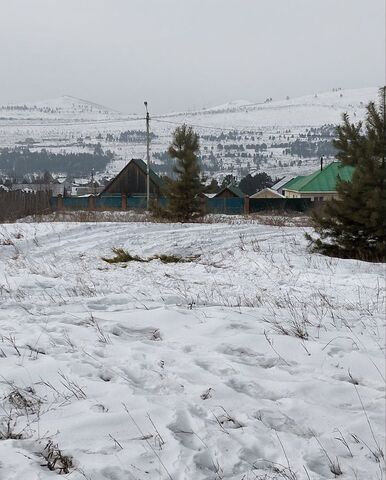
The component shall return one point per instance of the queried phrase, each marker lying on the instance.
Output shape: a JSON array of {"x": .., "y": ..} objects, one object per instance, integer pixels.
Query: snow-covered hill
[
  {"x": 57, "y": 110},
  {"x": 236, "y": 138},
  {"x": 307, "y": 111}
]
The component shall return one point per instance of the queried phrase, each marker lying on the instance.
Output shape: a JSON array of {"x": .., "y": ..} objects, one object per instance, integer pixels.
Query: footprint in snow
[
  {"x": 99, "y": 408},
  {"x": 183, "y": 428}
]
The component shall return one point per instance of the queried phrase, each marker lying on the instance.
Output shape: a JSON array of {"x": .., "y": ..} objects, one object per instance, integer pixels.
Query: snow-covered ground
[{"x": 256, "y": 360}]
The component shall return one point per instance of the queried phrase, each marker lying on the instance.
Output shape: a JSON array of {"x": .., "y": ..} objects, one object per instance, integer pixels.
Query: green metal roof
[{"x": 323, "y": 180}]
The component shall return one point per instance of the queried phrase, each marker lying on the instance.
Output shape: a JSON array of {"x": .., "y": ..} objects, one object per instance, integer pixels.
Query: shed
[{"x": 132, "y": 180}]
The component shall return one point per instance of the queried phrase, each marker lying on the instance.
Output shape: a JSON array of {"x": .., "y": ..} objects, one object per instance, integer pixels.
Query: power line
[
  {"x": 156, "y": 119},
  {"x": 231, "y": 129}
]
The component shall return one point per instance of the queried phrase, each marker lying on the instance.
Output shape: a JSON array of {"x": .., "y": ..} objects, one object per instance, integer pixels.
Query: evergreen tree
[
  {"x": 251, "y": 185},
  {"x": 228, "y": 180},
  {"x": 183, "y": 192},
  {"x": 354, "y": 224},
  {"x": 213, "y": 186}
]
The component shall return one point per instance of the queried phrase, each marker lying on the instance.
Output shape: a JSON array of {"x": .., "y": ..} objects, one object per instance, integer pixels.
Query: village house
[
  {"x": 230, "y": 191},
  {"x": 278, "y": 186},
  {"x": 132, "y": 180},
  {"x": 320, "y": 185},
  {"x": 55, "y": 188},
  {"x": 267, "y": 193}
]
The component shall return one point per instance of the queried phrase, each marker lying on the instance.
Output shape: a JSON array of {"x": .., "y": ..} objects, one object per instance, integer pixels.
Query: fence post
[
  {"x": 202, "y": 204},
  {"x": 60, "y": 205},
  {"x": 246, "y": 205},
  {"x": 124, "y": 201},
  {"x": 91, "y": 202}
]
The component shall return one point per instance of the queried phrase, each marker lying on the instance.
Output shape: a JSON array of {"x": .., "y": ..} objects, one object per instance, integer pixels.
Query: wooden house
[
  {"x": 230, "y": 191},
  {"x": 132, "y": 180}
]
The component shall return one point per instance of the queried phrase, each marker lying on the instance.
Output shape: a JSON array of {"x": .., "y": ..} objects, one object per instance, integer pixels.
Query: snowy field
[{"x": 255, "y": 360}]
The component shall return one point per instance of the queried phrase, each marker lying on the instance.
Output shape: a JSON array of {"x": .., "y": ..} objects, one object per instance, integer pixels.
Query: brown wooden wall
[
  {"x": 132, "y": 180},
  {"x": 226, "y": 194},
  {"x": 17, "y": 204}
]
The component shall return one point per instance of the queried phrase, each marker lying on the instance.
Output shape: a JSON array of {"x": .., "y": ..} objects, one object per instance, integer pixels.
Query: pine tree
[
  {"x": 354, "y": 224},
  {"x": 183, "y": 193},
  {"x": 251, "y": 185}
]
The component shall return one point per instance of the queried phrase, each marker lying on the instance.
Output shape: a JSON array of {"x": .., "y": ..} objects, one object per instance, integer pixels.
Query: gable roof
[
  {"x": 278, "y": 185},
  {"x": 142, "y": 166},
  {"x": 272, "y": 192},
  {"x": 232, "y": 188},
  {"x": 323, "y": 180}
]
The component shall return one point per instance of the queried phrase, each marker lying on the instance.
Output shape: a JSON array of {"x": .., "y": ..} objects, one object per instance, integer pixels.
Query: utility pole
[
  {"x": 92, "y": 182},
  {"x": 147, "y": 157}
]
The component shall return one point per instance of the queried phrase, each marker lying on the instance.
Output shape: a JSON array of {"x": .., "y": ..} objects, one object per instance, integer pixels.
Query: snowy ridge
[
  {"x": 310, "y": 110},
  {"x": 317, "y": 109},
  {"x": 63, "y": 108}
]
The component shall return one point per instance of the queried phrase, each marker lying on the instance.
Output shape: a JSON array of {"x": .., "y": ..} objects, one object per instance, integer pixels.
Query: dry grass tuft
[
  {"x": 56, "y": 460},
  {"x": 122, "y": 256}
]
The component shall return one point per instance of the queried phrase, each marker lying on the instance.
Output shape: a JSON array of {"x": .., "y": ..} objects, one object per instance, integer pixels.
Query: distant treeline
[
  {"x": 18, "y": 162},
  {"x": 307, "y": 149},
  {"x": 129, "y": 136}
]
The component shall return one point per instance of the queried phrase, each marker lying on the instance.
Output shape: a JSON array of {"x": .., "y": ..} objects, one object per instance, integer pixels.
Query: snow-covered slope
[
  {"x": 309, "y": 111},
  {"x": 58, "y": 124},
  {"x": 257, "y": 360},
  {"x": 62, "y": 109}
]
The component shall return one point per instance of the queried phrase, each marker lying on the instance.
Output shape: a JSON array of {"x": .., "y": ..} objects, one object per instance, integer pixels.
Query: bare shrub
[{"x": 24, "y": 400}]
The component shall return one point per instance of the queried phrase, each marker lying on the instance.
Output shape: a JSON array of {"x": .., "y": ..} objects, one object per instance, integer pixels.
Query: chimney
[{"x": 321, "y": 163}]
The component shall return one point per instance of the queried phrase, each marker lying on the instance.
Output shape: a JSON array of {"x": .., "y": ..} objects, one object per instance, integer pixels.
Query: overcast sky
[{"x": 184, "y": 54}]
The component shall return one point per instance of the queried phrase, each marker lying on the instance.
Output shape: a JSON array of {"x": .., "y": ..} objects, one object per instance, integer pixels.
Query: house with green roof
[
  {"x": 132, "y": 180},
  {"x": 320, "y": 185}
]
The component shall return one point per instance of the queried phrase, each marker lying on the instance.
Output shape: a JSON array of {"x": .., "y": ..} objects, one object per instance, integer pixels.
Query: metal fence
[
  {"x": 230, "y": 206},
  {"x": 113, "y": 202},
  {"x": 279, "y": 204}
]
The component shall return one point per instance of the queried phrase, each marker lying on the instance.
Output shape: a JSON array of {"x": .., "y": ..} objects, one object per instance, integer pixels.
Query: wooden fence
[{"x": 17, "y": 204}]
